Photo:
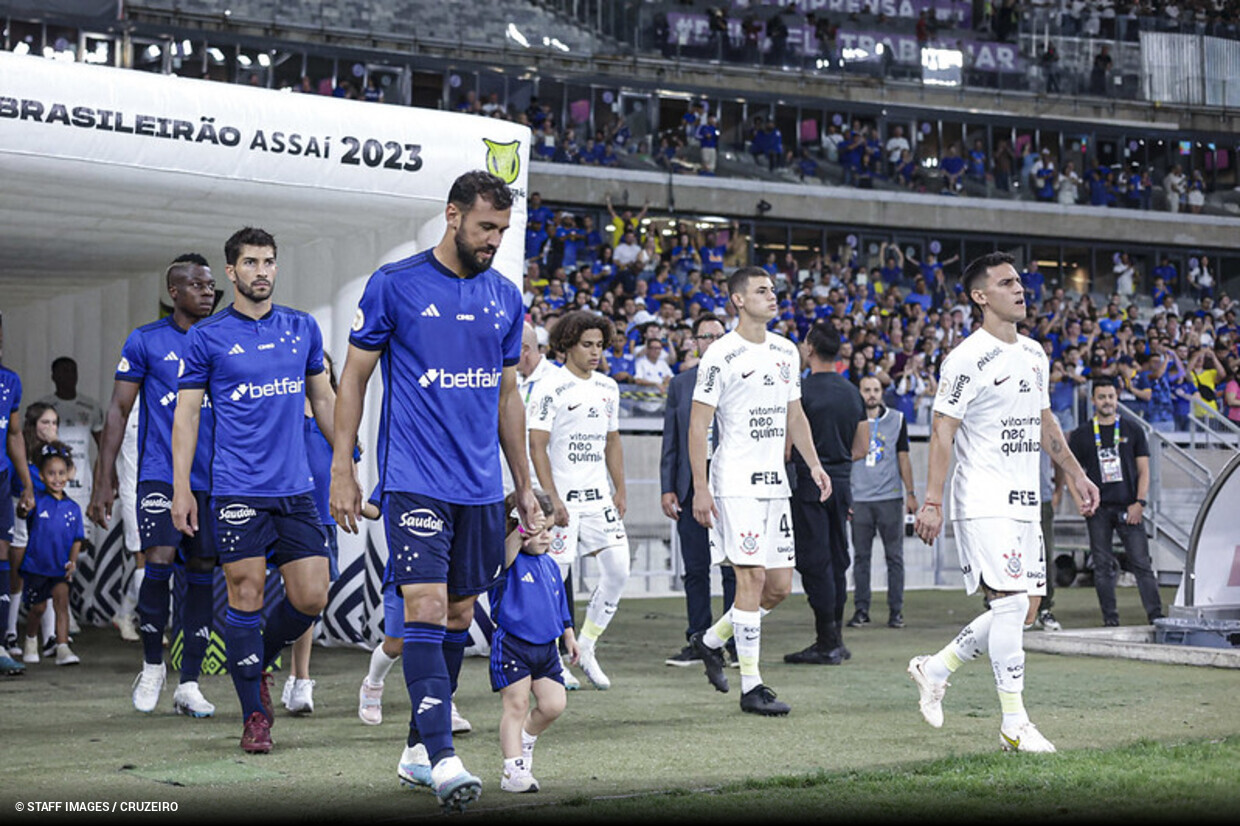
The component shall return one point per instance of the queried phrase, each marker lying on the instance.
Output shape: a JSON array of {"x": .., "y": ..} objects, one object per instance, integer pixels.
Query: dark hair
[
  {"x": 61, "y": 361},
  {"x": 572, "y": 325},
  {"x": 978, "y": 269},
  {"x": 468, "y": 188},
  {"x": 739, "y": 280},
  {"x": 34, "y": 412},
  {"x": 510, "y": 508},
  {"x": 182, "y": 264},
  {"x": 1103, "y": 381},
  {"x": 705, "y": 318},
  {"x": 248, "y": 236},
  {"x": 824, "y": 340},
  {"x": 53, "y": 450}
]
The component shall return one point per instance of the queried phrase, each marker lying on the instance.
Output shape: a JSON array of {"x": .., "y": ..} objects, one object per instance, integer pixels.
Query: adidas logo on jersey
[
  {"x": 429, "y": 703},
  {"x": 168, "y": 398},
  {"x": 172, "y": 356},
  {"x": 431, "y": 312},
  {"x": 236, "y": 350},
  {"x": 44, "y": 515},
  {"x": 528, "y": 578}
]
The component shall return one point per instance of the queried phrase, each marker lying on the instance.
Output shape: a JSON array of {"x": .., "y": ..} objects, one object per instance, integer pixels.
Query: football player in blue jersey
[
  {"x": 447, "y": 329},
  {"x": 259, "y": 362},
  {"x": 13, "y": 465},
  {"x": 147, "y": 376}
]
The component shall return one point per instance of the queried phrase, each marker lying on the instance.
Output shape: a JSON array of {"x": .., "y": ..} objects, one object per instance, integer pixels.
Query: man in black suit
[{"x": 676, "y": 479}]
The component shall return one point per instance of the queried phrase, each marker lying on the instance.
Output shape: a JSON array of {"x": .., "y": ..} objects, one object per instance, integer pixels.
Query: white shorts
[
  {"x": 126, "y": 508},
  {"x": 753, "y": 532},
  {"x": 587, "y": 532},
  {"x": 1005, "y": 554},
  {"x": 19, "y": 528}
]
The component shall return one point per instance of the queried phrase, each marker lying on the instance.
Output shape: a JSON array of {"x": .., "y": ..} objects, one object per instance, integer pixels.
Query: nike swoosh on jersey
[
  {"x": 747, "y": 375},
  {"x": 1001, "y": 381},
  {"x": 574, "y": 406}
]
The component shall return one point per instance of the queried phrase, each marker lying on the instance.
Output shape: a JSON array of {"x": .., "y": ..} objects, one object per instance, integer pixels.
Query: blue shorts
[
  {"x": 155, "y": 528},
  {"x": 281, "y": 528},
  {"x": 432, "y": 541},
  {"x": 8, "y": 510},
  {"x": 37, "y": 588},
  {"x": 333, "y": 552},
  {"x": 513, "y": 659},
  {"x": 393, "y": 612}
]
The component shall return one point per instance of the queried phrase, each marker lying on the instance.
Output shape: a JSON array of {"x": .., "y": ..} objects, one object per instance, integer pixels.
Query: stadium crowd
[{"x": 1173, "y": 344}]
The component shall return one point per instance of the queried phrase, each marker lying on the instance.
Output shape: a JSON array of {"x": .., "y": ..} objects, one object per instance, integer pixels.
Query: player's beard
[
  {"x": 469, "y": 255},
  {"x": 249, "y": 292}
]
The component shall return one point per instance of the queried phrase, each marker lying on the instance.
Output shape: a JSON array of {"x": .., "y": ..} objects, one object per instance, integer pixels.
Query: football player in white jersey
[
  {"x": 574, "y": 429},
  {"x": 749, "y": 382},
  {"x": 993, "y": 410}
]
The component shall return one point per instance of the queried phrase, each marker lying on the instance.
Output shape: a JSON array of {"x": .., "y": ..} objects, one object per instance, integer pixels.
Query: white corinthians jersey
[
  {"x": 998, "y": 391},
  {"x": 750, "y": 386},
  {"x": 578, "y": 413}
]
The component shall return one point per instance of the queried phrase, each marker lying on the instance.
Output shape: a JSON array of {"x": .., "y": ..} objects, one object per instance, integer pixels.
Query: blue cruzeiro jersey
[
  {"x": 10, "y": 403},
  {"x": 255, "y": 372},
  {"x": 54, "y": 525},
  {"x": 445, "y": 341},
  {"x": 151, "y": 358}
]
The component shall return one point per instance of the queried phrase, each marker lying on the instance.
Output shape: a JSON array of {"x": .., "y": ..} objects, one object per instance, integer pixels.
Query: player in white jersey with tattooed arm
[
  {"x": 574, "y": 427},
  {"x": 993, "y": 409},
  {"x": 749, "y": 382}
]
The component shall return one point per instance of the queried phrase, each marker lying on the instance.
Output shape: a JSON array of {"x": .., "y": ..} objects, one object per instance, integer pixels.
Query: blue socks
[
  {"x": 196, "y": 622},
  {"x": 243, "y": 641},
  {"x": 153, "y": 610},
  {"x": 284, "y": 626},
  {"x": 430, "y": 689},
  {"x": 454, "y": 645}
]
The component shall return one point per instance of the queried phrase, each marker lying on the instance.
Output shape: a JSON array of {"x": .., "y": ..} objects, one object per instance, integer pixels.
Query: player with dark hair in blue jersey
[
  {"x": 259, "y": 362},
  {"x": 147, "y": 376},
  {"x": 446, "y": 328},
  {"x": 12, "y": 461}
]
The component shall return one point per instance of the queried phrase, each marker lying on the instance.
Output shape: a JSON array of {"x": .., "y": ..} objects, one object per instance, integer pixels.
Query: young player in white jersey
[
  {"x": 993, "y": 409},
  {"x": 749, "y": 383},
  {"x": 574, "y": 427}
]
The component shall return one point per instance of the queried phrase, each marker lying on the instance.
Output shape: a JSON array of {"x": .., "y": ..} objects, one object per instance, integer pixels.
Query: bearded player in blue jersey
[
  {"x": 447, "y": 329},
  {"x": 147, "y": 376},
  {"x": 259, "y": 362}
]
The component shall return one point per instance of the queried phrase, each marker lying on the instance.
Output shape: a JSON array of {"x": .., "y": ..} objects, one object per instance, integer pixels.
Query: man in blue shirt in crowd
[
  {"x": 259, "y": 362},
  {"x": 447, "y": 329},
  {"x": 147, "y": 375}
]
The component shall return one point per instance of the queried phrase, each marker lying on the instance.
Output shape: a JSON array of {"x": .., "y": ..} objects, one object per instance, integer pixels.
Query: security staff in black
[
  {"x": 834, "y": 408},
  {"x": 1116, "y": 457}
]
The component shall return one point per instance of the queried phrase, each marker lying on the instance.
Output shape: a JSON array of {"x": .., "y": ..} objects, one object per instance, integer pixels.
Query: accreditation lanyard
[
  {"x": 1108, "y": 457},
  {"x": 876, "y": 451}
]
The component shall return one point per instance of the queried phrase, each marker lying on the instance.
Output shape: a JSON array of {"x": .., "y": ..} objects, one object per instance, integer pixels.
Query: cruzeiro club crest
[{"x": 503, "y": 160}]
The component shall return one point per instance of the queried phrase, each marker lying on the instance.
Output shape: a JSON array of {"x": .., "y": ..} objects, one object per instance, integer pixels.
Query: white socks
[
  {"x": 747, "y": 628},
  {"x": 380, "y": 665}
]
